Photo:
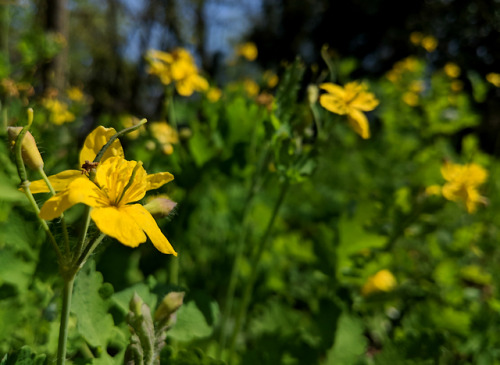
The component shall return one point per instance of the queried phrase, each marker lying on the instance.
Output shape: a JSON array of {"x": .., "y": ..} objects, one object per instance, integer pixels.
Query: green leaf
[
  {"x": 192, "y": 323},
  {"x": 94, "y": 322},
  {"x": 349, "y": 342}
]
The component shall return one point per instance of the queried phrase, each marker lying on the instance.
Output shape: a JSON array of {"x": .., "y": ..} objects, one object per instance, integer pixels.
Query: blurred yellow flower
[
  {"x": 214, "y": 94},
  {"x": 410, "y": 98},
  {"x": 433, "y": 190},
  {"x": 493, "y": 78},
  {"x": 429, "y": 43},
  {"x": 351, "y": 100},
  {"x": 247, "y": 50},
  {"x": 75, "y": 94},
  {"x": 462, "y": 183},
  {"x": 165, "y": 135},
  {"x": 416, "y": 38},
  {"x": 457, "y": 85},
  {"x": 416, "y": 86},
  {"x": 270, "y": 78},
  {"x": 382, "y": 281},
  {"x": 176, "y": 67},
  {"x": 452, "y": 70},
  {"x": 118, "y": 183},
  {"x": 251, "y": 87},
  {"x": 128, "y": 121},
  {"x": 58, "y": 111}
]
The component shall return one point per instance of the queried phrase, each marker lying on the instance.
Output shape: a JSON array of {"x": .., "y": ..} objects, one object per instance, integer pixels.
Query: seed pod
[{"x": 30, "y": 153}]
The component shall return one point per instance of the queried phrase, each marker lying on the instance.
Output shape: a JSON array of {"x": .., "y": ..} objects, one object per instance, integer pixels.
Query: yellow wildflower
[
  {"x": 91, "y": 147},
  {"x": 452, "y": 70},
  {"x": 177, "y": 67},
  {"x": 214, "y": 94},
  {"x": 118, "y": 183},
  {"x": 270, "y": 78},
  {"x": 433, "y": 190},
  {"x": 59, "y": 113},
  {"x": 457, "y": 85},
  {"x": 247, "y": 50},
  {"x": 416, "y": 38},
  {"x": 251, "y": 87},
  {"x": 351, "y": 100},
  {"x": 429, "y": 43},
  {"x": 128, "y": 121},
  {"x": 462, "y": 183},
  {"x": 416, "y": 86},
  {"x": 382, "y": 281},
  {"x": 165, "y": 135},
  {"x": 493, "y": 78},
  {"x": 410, "y": 98},
  {"x": 74, "y": 93}
]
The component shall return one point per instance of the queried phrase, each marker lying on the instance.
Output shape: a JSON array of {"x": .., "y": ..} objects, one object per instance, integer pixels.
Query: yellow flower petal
[
  {"x": 333, "y": 89},
  {"x": 58, "y": 181},
  {"x": 359, "y": 122},
  {"x": 157, "y": 180},
  {"x": 55, "y": 206},
  {"x": 333, "y": 104},
  {"x": 118, "y": 223},
  {"x": 144, "y": 219},
  {"x": 364, "y": 101},
  {"x": 95, "y": 141}
]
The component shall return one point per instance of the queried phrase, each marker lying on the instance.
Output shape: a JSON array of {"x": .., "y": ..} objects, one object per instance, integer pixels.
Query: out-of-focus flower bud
[
  {"x": 312, "y": 94},
  {"x": 30, "y": 153},
  {"x": 169, "y": 305},
  {"x": 382, "y": 281},
  {"x": 160, "y": 206}
]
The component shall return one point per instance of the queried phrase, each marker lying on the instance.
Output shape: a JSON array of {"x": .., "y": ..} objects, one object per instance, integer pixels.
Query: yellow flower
[
  {"x": 416, "y": 38},
  {"x": 416, "y": 86},
  {"x": 382, "y": 281},
  {"x": 59, "y": 113},
  {"x": 351, "y": 100},
  {"x": 118, "y": 183},
  {"x": 452, "y": 70},
  {"x": 457, "y": 85},
  {"x": 270, "y": 78},
  {"x": 493, "y": 78},
  {"x": 75, "y": 94},
  {"x": 462, "y": 183},
  {"x": 433, "y": 190},
  {"x": 91, "y": 147},
  {"x": 176, "y": 67},
  {"x": 410, "y": 98},
  {"x": 214, "y": 94},
  {"x": 251, "y": 87},
  {"x": 128, "y": 121},
  {"x": 247, "y": 50},
  {"x": 165, "y": 135},
  {"x": 429, "y": 43}
]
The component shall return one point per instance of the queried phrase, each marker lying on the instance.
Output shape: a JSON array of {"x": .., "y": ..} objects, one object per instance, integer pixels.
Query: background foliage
[{"x": 264, "y": 172}]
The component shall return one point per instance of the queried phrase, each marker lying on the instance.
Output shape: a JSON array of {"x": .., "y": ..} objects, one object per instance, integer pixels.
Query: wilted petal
[
  {"x": 119, "y": 224},
  {"x": 144, "y": 219},
  {"x": 95, "y": 141}
]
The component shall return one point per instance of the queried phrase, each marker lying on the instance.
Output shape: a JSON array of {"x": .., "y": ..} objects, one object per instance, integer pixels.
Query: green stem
[
  {"x": 170, "y": 108},
  {"x": 45, "y": 226},
  {"x": 228, "y": 301},
  {"x": 63, "y": 221},
  {"x": 78, "y": 264},
  {"x": 174, "y": 271},
  {"x": 63, "y": 329},
  {"x": 253, "y": 275},
  {"x": 83, "y": 233}
]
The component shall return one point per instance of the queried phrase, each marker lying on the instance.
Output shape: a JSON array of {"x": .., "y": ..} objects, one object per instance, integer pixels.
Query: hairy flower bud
[
  {"x": 30, "y": 153},
  {"x": 169, "y": 305},
  {"x": 160, "y": 206},
  {"x": 312, "y": 94}
]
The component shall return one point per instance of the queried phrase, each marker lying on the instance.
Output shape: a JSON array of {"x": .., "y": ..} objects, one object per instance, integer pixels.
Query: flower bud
[
  {"x": 160, "y": 206},
  {"x": 30, "y": 153},
  {"x": 169, "y": 305},
  {"x": 312, "y": 94}
]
